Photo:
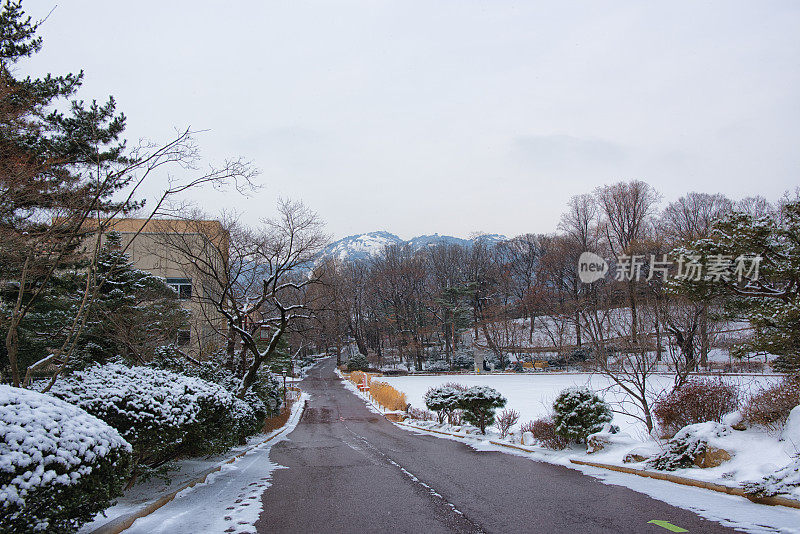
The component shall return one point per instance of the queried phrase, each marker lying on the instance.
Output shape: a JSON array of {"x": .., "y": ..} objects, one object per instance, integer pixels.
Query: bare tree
[{"x": 255, "y": 279}]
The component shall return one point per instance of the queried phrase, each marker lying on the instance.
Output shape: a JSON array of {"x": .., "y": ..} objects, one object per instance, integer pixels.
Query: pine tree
[
  {"x": 579, "y": 412},
  {"x": 58, "y": 169},
  {"x": 768, "y": 296},
  {"x": 479, "y": 404}
]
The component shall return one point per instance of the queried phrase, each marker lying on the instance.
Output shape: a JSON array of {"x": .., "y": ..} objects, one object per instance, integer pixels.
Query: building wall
[{"x": 150, "y": 251}]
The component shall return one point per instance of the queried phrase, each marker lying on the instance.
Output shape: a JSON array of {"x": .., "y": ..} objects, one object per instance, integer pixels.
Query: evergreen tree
[
  {"x": 753, "y": 264},
  {"x": 579, "y": 412},
  {"x": 479, "y": 404},
  {"x": 58, "y": 169},
  {"x": 134, "y": 311}
]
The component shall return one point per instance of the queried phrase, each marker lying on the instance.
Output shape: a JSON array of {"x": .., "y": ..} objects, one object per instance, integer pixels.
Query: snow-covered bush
[
  {"x": 479, "y": 404},
  {"x": 544, "y": 431},
  {"x": 696, "y": 401},
  {"x": 689, "y": 444},
  {"x": 769, "y": 407},
  {"x": 784, "y": 481},
  {"x": 357, "y": 362},
  {"x": 442, "y": 400},
  {"x": 59, "y": 466},
  {"x": 160, "y": 413},
  {"x": 578, "y": 412},
  {"x": 265, "y": 396}
]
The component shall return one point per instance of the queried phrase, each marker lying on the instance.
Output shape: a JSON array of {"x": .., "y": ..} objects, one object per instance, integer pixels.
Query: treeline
[{"x": 678, "y": 274}]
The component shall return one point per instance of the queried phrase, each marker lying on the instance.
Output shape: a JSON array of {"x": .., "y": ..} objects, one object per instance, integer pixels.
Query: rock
[
  {"x": 636, "y": 455},
  {"x": 711, "y": 457},
  {"x": 528, "y": 439},
  {"x": 734, "y": 420}
]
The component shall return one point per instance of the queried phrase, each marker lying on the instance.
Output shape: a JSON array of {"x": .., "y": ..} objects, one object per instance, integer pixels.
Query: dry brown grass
[{"x": 387, "y": 396}]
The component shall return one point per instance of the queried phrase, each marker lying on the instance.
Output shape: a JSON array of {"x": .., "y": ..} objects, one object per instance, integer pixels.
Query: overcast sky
[{"x": 450, "y": 116}]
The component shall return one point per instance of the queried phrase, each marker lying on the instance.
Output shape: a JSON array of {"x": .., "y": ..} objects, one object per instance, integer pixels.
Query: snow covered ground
[
  {"x": 532, "y": 394},
  {"x": 228, "y": 498}
]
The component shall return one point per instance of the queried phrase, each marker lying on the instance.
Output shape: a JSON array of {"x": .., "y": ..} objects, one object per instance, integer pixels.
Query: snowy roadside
[
  {"x": 729, "y": 510},
  {"x": 228, "y": 497}
]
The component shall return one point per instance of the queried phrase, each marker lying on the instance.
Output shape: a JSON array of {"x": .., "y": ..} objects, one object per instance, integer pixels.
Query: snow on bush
[
  {"x": 162, "y": 414},
  {"x": 770, "y": 406},
  {"x": 59, "y": 466},
  {"x": 544, "y": 432},
  {"x": 578, "y": 412},
  {"x": 791, "y": 430},
  {"x": 696, "y": 401},
  {"x": 690, "y": 443},
  {"x": 479, "y": 404},
  {"x": 442, "y": 400},
  {"x": 784, "y": 481}
]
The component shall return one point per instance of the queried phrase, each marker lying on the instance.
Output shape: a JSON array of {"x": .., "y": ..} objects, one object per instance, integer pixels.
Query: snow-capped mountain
[
  {"x": 364, "y": 246},
  {"x": 360, "y": 246}
]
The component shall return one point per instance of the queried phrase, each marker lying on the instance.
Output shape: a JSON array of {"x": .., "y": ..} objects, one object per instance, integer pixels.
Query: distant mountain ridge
[{"x": 365, "y": 246}]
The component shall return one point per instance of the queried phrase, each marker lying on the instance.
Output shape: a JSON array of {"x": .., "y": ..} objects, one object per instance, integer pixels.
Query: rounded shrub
[
  {"x": 162, "y": 414},
  {"x": 696, "y": 401},
  {"x": 479, "y": 404},
  {"x": 442, "y": 400},
  {"x": 59, "y": 466},
  {"x": 578, "y": 412}
]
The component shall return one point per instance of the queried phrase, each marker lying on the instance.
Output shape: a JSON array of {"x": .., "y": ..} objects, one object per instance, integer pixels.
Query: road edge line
[
  {"x": 123, "y": 522},
  {"x": 769, "y": 501}
]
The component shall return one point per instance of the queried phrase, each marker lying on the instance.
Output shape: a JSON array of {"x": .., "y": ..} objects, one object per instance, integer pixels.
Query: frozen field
[{"x": 532, "y": 394}]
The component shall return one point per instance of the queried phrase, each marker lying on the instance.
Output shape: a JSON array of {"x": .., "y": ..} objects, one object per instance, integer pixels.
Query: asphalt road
[{"x": 350, "y": 470}]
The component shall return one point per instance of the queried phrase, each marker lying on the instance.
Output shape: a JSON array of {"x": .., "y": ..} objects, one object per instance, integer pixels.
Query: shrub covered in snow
[
  {"x": 696, "y": 401},
  {"x": 579, "y": 412},
  {"x": 784, "y": 481},
  {"x": 442, "y": 400},
  {"x": 770, "y": 406},
  {"x": 59, "y": 466},
  {"x": 357, "y": 362},
  {"x": 479, "y": 404},
  {"x": 689, "y": 444},
  {"x": 160, "y": 413}
]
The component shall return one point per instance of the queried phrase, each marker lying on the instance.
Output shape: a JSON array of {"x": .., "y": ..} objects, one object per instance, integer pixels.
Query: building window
[
  {"x": 183, "y": 338},
  {"x": 181, "y": 286}
]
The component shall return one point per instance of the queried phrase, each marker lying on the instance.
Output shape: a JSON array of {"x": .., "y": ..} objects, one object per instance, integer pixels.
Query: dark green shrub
[
  {"x": 579, "y": 412},
  {"x": 479, "y": 404}
]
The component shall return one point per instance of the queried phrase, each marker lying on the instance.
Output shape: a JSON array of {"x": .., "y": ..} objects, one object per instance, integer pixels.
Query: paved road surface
[{"x": 350, "y": 470}]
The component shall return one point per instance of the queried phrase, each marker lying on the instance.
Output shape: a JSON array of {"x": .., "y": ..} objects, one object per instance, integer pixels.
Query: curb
[
  {"x": 120, "y": 523},
  {"x": 770, "y": 501}
]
